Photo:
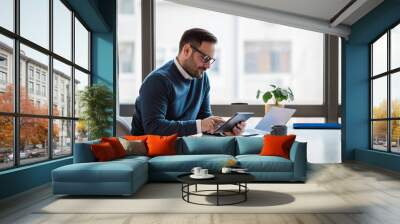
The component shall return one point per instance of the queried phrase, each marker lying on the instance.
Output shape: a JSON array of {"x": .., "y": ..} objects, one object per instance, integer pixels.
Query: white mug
[
  {"x": 226, "y": 170},
  {"x": 196, "y": 170},
  {"x": 203, "y": 172}
]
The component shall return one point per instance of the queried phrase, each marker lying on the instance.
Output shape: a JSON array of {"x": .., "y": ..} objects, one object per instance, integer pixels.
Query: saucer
[{"x": 208, "y": 176}]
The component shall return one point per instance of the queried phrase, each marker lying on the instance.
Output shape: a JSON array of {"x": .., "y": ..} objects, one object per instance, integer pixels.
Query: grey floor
[{"x": 377, "y": 188}]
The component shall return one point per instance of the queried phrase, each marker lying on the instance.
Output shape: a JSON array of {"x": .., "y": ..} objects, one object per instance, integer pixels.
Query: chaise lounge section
[{"x": 125, "y": 176}]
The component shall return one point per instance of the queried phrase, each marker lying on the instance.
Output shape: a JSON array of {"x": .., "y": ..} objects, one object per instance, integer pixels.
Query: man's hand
[
  {"x": 209, "y": 124},
  {"x": 238, "y": 129}
]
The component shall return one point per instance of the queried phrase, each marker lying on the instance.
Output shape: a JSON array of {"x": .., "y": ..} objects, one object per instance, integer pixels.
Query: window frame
[
  {"x": 15, "y": 71},
  {"x": 388, "y": 74}
]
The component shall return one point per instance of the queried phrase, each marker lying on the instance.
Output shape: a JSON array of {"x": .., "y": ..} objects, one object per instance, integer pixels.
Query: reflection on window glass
[
  {"x": 34, "y": 144},
  {"x": 129, "y": 46},
  {"x": 81, "y": 45},
  {"x": 62, "y": 89},
  {"x": 62, "y": 29},
  {"x": 37, "y": 61},
  {"x": 7, "y": 14},
  {"x": 6, "y": 142},
  {"x": 81, "y": 81},
  {"x": 35, "y": 21},
  {"x": 395, "y": 47},
  {"x": 254, "y": 54},
  {"x": 379, "y": 135},
  {"x": 6, "y": 75},
  {"x": 126, "y": 58},
  {"x": 395, "y": 136},
  {"x": 62, "y": 138},
  {"x": 379, "y": 56},
  {"x": 379, "y": 98}
]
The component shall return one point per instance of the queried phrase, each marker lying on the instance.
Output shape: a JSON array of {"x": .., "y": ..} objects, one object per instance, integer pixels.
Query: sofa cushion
[
  {"x": 161, "y": 145},
  {"x": 248, "y": 145},
  {"x": 275, "y": 145},
  {"x": 206, "y": 145},
  {"x": 83, "y": 152},
  {"x": 112, "y": 171},
  {"x": 257, "y": 163},
  {"x": 116, "y": 145},
  {"x": 103, "y": 152},
  {"x": 185, "y": 163}
]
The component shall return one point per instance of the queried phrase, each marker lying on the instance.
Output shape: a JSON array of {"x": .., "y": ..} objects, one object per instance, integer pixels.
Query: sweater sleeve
[
  {"x": 154, "y": 93},
  {"x": 205, "y": 108}
]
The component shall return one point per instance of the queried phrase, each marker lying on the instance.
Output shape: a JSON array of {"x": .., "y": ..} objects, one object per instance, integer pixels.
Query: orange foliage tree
[
  {"x": 33, "y": 130},
  {"x": 380, "y": 128}
]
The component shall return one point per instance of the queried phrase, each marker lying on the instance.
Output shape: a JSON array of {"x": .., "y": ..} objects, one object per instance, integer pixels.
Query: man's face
[{"x": 199, "y": 58}]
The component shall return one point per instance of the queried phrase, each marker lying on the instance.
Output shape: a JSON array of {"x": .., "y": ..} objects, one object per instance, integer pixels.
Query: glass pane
[
  {"x": 62, "y": 89},
  {"x": 62, "y": 138},
  {"x": 7, "y": 14},
  {"x": 129, "y": 49},
  {"x": 395, "y": 136},
  {"x": 33, "y": 139},
  {"x": 6, "y": 142},
  {"x": 35, "y": 21},
  {"x": 62, "y": 29},
  {"x": 34, "y": 81},
  {"x": 379, "y": 55},
  {"x": 81, "y": 45},
  {"x": 379, "y": 98},
  {"x": 379, "y": 135},
  {"x": 81, "y": 81},
  {"x": 81, "y": 131},
  {"x": 395, "y": 47},
  {"x": 260, "y": 54},
  {"x": 395, "y": 95},
  {"x": 6, "y": 74}
]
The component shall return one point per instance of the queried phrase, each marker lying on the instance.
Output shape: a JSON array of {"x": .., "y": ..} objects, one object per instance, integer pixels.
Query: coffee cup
[
  {"x": 196, "y": 171},
  {"x": 226, "y": 170},
  {"x": 203, "y": 172}
]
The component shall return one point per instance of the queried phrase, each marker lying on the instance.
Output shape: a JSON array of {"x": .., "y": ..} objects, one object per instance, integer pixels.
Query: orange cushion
[
  {"x": 277, "y": 145},
  {"x": 161, "y": 145},
  {"x": 116, "y": 145},
  {"x": 135, "y": 137},
  {"x": 103, "y": 151}
]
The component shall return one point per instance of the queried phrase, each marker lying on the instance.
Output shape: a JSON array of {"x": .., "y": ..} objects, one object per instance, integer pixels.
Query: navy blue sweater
[{"x": 168, "y": 103}]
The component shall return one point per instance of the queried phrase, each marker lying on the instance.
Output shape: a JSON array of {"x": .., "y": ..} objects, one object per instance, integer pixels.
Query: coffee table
[{"x": 238, "y": 179}]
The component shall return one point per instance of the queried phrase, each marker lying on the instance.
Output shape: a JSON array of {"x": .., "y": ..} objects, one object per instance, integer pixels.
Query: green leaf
[{"x": 267, "y": 96}]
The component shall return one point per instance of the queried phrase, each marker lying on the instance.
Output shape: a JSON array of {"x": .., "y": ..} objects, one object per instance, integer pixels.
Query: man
[{"x": 175, "y": 97}]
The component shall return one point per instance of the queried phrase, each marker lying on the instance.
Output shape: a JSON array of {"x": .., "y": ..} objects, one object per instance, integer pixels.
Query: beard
[{"x": 193, "y": 70}]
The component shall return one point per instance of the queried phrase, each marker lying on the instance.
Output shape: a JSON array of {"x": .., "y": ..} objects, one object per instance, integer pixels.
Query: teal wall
[
  {"x": 355, "y": 84},
  {"x": 100, "y": 17}
]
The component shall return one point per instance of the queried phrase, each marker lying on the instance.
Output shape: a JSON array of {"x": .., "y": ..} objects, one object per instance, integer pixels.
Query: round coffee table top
[{"x": 220, "y": 178}]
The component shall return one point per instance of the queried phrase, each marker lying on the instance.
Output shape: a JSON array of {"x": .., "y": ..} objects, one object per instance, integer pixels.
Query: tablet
[{"x": 230, "y": 124}]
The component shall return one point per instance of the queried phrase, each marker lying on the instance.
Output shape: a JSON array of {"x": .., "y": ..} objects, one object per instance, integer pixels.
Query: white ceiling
[
  {"x": 319, "y": 9},
  {"x": 315, "y": 15}
]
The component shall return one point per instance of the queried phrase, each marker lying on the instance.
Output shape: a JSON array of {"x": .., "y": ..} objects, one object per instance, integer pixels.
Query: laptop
[{"x": 275, "y": 116}]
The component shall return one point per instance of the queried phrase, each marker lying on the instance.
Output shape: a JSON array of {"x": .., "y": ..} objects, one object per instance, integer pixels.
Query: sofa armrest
[
  {"x": 298, "y": 155},
  {"x": 83, "y": 152}
]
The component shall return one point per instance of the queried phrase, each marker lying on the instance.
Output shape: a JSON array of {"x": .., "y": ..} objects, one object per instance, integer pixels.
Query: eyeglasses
[{"x": 204, "y": 57}]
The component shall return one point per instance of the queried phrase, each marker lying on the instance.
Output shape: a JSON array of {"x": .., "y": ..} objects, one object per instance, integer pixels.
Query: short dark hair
[{"x": 196, "y": 36}]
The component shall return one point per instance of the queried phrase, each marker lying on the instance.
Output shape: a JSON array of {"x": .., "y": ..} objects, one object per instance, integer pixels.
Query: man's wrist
[{"x": 198, "y": 126}]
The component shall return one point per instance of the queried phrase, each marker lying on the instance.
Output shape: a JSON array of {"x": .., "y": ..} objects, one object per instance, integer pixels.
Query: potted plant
[
  {"x": 96, "y": 102},
  {"x": 278, "y": 94}
]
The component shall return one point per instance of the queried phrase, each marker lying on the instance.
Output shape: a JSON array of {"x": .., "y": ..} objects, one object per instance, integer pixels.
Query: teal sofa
[{"x": 125, "y": 176}]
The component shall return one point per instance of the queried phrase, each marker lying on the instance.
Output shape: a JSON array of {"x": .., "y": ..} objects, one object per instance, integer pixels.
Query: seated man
[{"x": 175, "y": 97}]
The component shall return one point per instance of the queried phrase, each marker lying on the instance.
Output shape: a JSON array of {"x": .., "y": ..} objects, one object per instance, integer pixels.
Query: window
[
  {"x": 126, "y": 6},
  {"x": 267, "y": 57},
  {"x": 126, "y": 62},
  {"x": 81, "y": 45},
  {"x": 260, "y": 54},
  {"x": 385, "y": 97},
  {"x": 7, "y": 14},
  {"x": 36, "y": 117},
  {"x": 129, "y": 50}
]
